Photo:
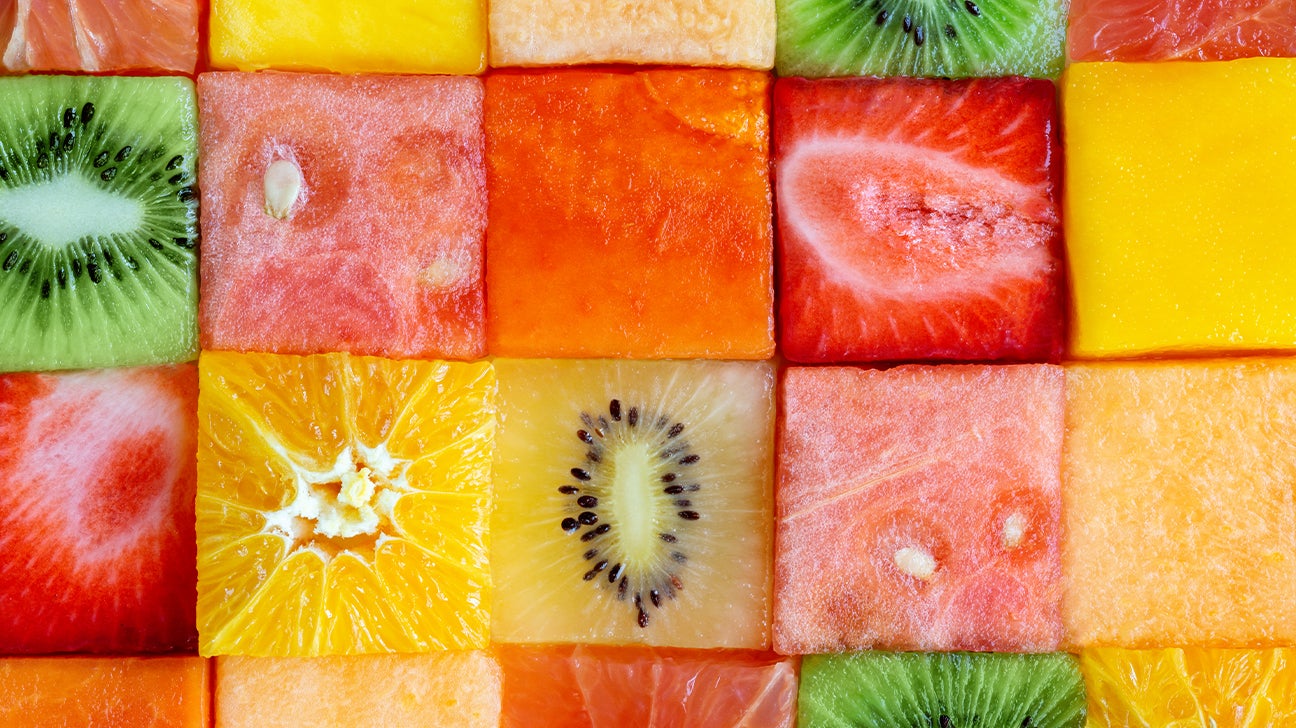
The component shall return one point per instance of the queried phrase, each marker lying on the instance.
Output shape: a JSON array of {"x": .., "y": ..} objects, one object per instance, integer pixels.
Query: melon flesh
[
  {"x": 342, "y": 214},
  {"x": 675, "y": 32},
  {"x": 1179, "y": 516},
  {"x": 918, "y": 509},
  {"x": 107, "y": 692},
  {"x": 439, "y": 690}
]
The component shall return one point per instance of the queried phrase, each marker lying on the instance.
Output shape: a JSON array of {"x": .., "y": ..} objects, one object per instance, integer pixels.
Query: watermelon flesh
[
  {"x": 919, "y": 219},
  {"x": 1190, "y": 30},
  {"x": 342, "y": 214},
  {"x": 593, "y": 687},
  {"x": 97, "y": 511},
  {"x": 918, "y": 508}
]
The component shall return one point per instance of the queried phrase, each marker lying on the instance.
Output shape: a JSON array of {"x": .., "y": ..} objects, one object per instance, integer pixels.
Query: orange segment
[
  {"x": 123, "y": 692},
  {"x": 1178, "y": 688},
  {"x": 342, "y": 504}
]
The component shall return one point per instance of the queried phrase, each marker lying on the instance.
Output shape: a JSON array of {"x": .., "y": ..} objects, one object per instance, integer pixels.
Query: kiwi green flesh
[
  {"x": 921, "y": 38},
  {"x": 98, "y": 222},
  {"x": 941, "y": 690}
]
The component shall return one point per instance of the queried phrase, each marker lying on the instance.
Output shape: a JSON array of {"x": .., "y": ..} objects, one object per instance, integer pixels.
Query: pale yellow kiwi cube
[
  {"x": 1181, "y": 206},
  {"x": 738, "y": 33},
  {"x": 350, "y": 36}
]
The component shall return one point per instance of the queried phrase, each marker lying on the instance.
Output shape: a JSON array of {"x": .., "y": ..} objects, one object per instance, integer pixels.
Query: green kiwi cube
[
  {"x": 98, "y": 222},
  {"x": 941, "y": 690},
  {"x": 922, "y": 38}
]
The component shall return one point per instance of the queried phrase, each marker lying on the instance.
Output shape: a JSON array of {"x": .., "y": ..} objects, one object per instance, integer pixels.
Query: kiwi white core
[
  {"x": 40, "y": 211},
  {"x": 632, "y": 499},
  {"x": 345, "y": 508}
]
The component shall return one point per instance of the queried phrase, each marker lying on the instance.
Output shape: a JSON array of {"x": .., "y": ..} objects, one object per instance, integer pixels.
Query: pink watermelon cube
[
  {"x": 919, "y": 220},
  {"x": 97, "y": 544},
  {"x": 918, "y": 508},
  {"x": 343, "y": 213}
]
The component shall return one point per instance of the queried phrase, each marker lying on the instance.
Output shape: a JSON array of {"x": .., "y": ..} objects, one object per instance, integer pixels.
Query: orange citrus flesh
[
  {"x": 104, "y": 692},
  {"x": 342, "y": 504},
  {"x": 1179, "y": 688},
  {"x": 440, "y": 690},
  {"x": 1179, "y": 526}
]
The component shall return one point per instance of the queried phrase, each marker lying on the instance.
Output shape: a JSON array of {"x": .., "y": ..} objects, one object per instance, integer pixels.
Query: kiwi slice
[
  {"x": 632, "y": 503},
  {"x": 927, "y": 38},
  {"x": 941, "y": 690},
  {"x": 98, "y": 222}
]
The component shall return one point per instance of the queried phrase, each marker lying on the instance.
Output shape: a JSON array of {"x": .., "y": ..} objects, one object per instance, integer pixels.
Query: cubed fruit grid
[{"x": 514, "y": 389}]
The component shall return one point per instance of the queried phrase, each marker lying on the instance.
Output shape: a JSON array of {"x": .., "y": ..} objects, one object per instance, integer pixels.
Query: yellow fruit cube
[
  {"x": 395, "y": 36},
  {"x": 1178, "y": 519},
  {"x": 1181, "y": 181}
]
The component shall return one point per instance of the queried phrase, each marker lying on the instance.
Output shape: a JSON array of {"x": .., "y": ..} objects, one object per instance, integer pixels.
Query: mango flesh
[{"x": 1179, "y": 222}]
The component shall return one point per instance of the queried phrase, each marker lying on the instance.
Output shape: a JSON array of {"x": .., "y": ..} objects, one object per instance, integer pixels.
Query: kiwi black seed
[
  {"x": 941, "y": 690},
  {"x": 644, "y": 582},
  {"x": 94, "y": 171},
  {"x": 927, "y": 38}
]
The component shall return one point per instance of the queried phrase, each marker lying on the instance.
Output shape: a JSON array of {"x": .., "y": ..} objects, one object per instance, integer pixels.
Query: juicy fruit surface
[
  {"x": 593, "y": 687},
  {"x": 912, "y": 225},
  {"x": 96, "y": 512},
  {"x": 931, "y": 496},
  {"x": 110, "y": 278},
  {"x": 875, "y": 689},
  {"x": 395, "y": 36},
  {"x": 343, "y": 504},
  {"x": 442, "y": 690},
  {"x": 384, "y": 236},
  {"x": 916, "y": 38},
  {"x": 1166, "y": 30},
  {"x": 629, "y": 215},
  {"x": 116, "y": 692},
  {"x": 1179, "y": 688},
  {"x": 676, "y": 544},
  {"x": 1194, "y": 161},
  {"x": 676, "y": 32},
  {"x": 1177, "y": 504},
  {"x": 121, "y": 35}
]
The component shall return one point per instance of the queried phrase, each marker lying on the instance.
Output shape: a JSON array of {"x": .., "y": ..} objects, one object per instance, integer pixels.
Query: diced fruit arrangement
[
  {"x": 633, "y": 503},
  {"x": 941, "y": 689},
  {"x": 936, "y": 515},
  {"x": 441, "y": 690},
  {"x": 581, "y": 686},
  {"x": 376, "y": 217},
  {"x": 109, "y": 279},
  {"x": 97, "y": 511},
  {"x": 56, "y": 692},
  {"x": 343, "y": 504},
  {"x": 919, "y": 220}
]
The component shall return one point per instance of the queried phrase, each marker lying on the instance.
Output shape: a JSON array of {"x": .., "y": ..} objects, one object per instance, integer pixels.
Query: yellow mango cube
[
  {"x": 345, "y": 36},
  {"x": 1181, "y": 206}
]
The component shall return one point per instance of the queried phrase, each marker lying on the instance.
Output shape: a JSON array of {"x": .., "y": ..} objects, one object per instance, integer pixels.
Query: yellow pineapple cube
[{"x": 1181, "y": 206}]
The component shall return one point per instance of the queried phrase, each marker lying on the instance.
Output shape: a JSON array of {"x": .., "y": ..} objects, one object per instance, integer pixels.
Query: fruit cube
[
  {"x": 393, "y": 36},
  {"x": 633, "y": 503},
  {"x": 675, "y": 32},
  {"x": 955, "y": 39},
  {"x": 918, "y": 509},
  {"x": 941, "y": 689},
  {"x": 578, "y": 686},
  {"x": 56, "y": 692},
  {"x": 97, "y": 511},
  {"x": 1180, "y": 178},
  {"x": 1167, "y": 30},
  {"x": 918, "y": 220},
  {"x": 442, "y": 690},
  {"x": 630, "y": 214},
  {"x": 1193, "y": 686},
  {"x": 343, "y": 504},
  {"x": 343, "y": 214},
  {"x": 98, "y": 222},
  {"x": 1177, "y": 504},
  {"x": 125, "y": 35}
]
